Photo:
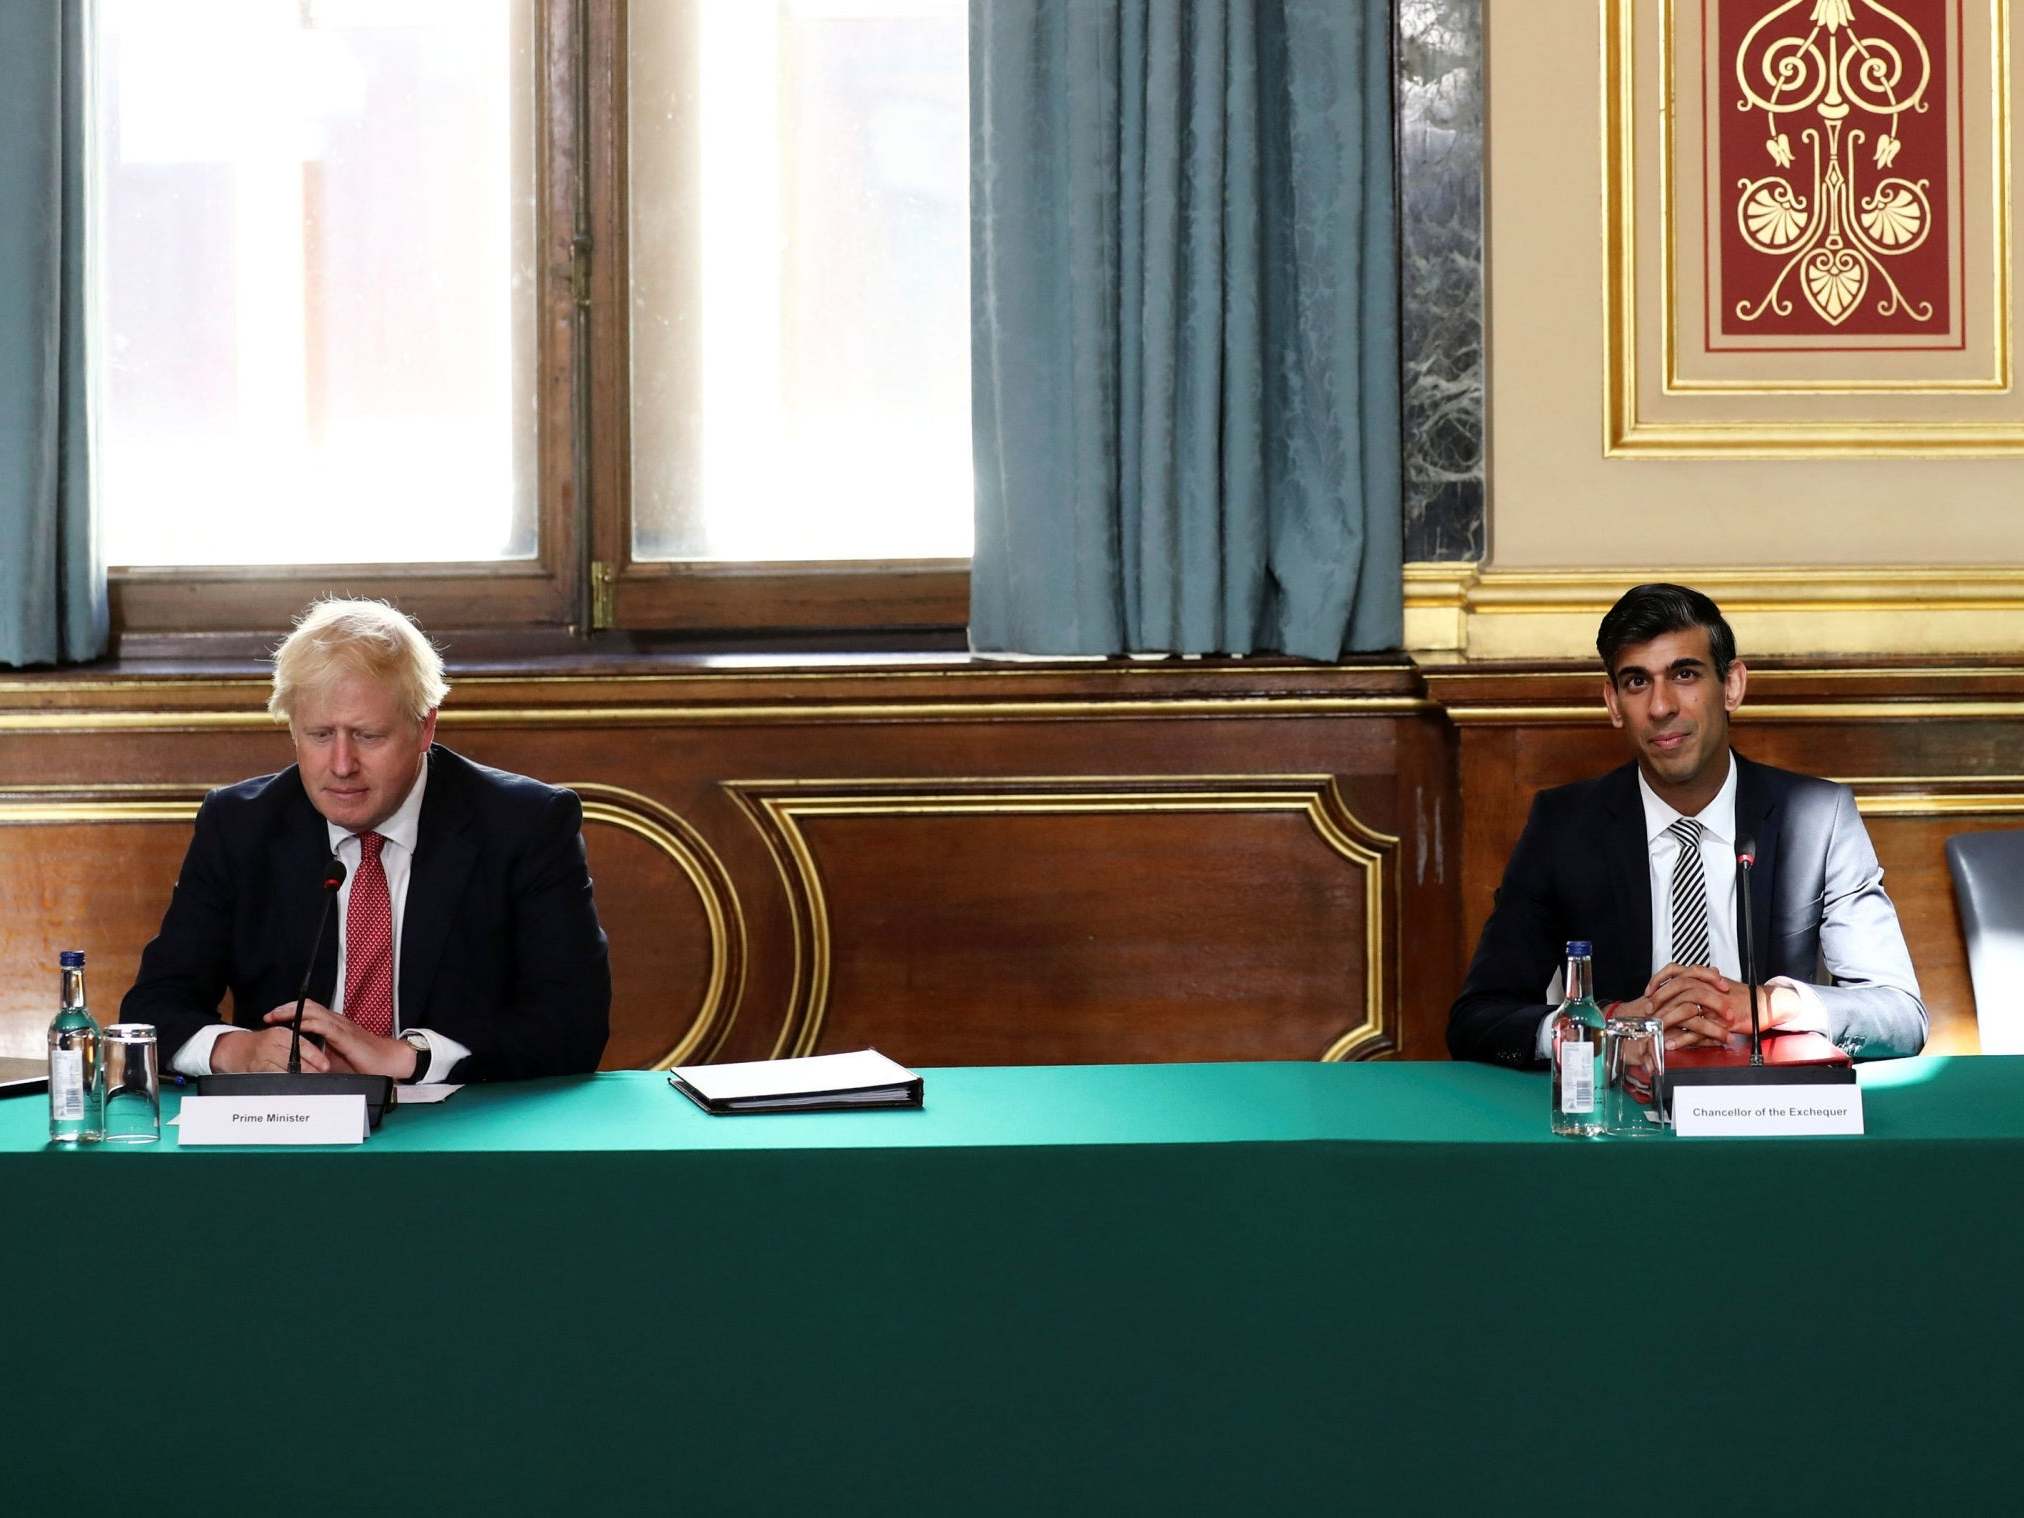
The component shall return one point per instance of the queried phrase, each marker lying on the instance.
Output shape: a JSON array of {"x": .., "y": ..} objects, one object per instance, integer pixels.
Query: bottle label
[
  {"x": 1577, "y": 1077},
  {"x": 66, "y": 1085}
]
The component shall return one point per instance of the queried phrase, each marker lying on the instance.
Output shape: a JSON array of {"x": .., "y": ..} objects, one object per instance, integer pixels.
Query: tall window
[
  {"x": 315, "y": 238},
  {"x": 799, "y": 194},
  {"x": 439, "y": 290}
]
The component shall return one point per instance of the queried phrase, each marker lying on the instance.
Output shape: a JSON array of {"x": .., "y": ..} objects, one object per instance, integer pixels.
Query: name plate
[
  {"x": 1766, "y": 1111},
  {"x": 272, "y": 1120}
]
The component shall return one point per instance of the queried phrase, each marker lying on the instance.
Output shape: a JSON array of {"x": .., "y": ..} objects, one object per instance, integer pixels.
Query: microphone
[
  {"x": 376, "y": 1090},
  {"x": 333, "y": 880},
  {"x": 1746, "y": 862},
  {"x": 1717, "y": 1071}
]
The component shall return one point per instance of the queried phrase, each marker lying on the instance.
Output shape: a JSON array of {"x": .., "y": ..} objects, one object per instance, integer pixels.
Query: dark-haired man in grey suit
[{"x": 1642, "y": 861}]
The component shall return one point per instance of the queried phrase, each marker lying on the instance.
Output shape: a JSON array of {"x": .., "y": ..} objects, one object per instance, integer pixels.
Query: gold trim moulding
[
  {"x": 980, "y": 667},
  {"x": 15, "y": 812},
  {"x": 1807, "y": 587},
  {"x": 212, "y": 686},
  {"x": 1798, "y": 611},
  {"x": 1200, "y": 709},
  {"x": 1883, "y": 709},
  {"x": 664, "y": 829},
  {"x": 1987, "y": 386},
  {"x": 984, "y": 669},
  {"x": 1865, "y": 440},
  {"x": 1862, "y": 782},
  {"x": 1795, "y": 587},
  {"x": 1437, "y": 604},
  {"x": 1956, "y": 804},
  {"x": 1761, "y": 673},
  {"x": 1437, "y": 583}
]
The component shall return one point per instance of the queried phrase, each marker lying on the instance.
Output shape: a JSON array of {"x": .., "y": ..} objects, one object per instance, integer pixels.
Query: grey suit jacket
[{"x": 1581, "y": 869}]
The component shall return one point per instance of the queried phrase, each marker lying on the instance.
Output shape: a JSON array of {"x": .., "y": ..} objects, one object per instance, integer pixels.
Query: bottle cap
[
  {"x": 1579, "y": 948},
  {"x": 70, "y": 959}
]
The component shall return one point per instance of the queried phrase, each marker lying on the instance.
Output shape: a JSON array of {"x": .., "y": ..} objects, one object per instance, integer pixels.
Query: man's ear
[
  {"x": 1733, "y": 687},
  {"x": 429, "y": 728},
  {"x": 1609, "y": 700}
]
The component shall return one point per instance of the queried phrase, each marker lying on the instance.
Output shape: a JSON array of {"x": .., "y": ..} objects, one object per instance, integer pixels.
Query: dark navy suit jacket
[
  {"x": 500, "y": 946},
  {"x": 1582, "y": 869}
]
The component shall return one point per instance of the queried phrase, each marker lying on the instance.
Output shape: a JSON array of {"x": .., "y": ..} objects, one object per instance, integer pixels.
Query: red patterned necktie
[{"x": 369, "y": 944}]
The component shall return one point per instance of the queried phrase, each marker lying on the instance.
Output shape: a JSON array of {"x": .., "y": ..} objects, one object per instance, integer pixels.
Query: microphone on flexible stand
[
  {"x": 1746, "y": 862},
  {"x": 1797, "y": 1064},
  {"x": 333, "y": 880},
  {"x": 378, "y": 1090}
]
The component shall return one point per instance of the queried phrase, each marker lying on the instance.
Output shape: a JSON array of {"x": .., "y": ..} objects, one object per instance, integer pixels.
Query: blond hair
[{"x": 370, "y": 638}]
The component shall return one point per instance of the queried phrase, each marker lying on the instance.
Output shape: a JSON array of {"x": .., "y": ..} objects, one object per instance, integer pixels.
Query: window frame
[{"x": 583, "y": 578}]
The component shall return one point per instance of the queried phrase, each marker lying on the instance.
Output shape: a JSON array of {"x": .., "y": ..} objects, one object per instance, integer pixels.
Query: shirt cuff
[
  {"x": 1543, "y": 1044},
  {"x": 1812, "y": 1015},
  {"x": 194, "y": 1058},
  {"x": 445, "y": 1053}
]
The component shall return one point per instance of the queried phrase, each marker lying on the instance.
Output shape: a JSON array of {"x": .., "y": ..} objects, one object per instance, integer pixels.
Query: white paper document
[{"x": 864, "y": 1078}]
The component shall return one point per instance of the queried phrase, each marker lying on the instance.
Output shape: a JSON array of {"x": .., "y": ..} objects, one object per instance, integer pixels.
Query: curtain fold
[
  {"x": 52, "y": 585},
  {"x": 1184, "y": 302}
]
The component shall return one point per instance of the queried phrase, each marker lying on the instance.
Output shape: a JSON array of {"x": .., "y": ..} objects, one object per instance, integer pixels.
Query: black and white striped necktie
[{"x": 1690, "y": 896}]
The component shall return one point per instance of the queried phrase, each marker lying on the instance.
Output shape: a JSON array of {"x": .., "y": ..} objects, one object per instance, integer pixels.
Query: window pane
[
  {"x": 799, "y": 205},
  {"x": 314, "y": 258}
]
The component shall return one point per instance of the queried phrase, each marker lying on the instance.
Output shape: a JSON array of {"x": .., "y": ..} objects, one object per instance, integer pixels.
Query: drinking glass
[
  {"x": 1633, "y": 1077},
  {"x": 133, "y": 1085}
]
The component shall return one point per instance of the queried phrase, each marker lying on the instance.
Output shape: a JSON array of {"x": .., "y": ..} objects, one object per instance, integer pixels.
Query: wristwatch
[{"x": 420, "y": 1044}]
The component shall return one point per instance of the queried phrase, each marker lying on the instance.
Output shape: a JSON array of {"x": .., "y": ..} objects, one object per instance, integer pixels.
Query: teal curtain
[
  {"x": 1184, "y": 296},
  {"x": 52, "y": 585}
]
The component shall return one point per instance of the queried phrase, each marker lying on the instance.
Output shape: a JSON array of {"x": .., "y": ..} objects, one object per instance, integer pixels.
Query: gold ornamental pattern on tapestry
[
  {"x": 1840, "y": 87},
  {"x": 1808, "y": 232}
]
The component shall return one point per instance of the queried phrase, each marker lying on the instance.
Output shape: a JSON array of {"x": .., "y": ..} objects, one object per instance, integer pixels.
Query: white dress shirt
[
  {"x": 1718, "y": 865},
  {"x": 397, "y": 855}
]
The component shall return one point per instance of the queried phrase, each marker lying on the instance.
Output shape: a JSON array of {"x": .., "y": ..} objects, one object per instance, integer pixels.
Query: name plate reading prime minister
[
  {"x": 1766, "y": 1111},
  {"x": 208, "y": 1120}
]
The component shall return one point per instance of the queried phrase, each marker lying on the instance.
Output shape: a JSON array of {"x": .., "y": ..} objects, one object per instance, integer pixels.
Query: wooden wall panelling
[
  {"x": 1186, "y": 917},
  {"x": 1221, "y": 908},
  {"x": 1060, "y": 930},
  {"x": 74, "y": 874}
]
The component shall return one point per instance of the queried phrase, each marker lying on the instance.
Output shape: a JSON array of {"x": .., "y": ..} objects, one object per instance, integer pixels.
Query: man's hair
[
  {"x": 369, "y": 638},
  {"x": 1645, "y": 612}
]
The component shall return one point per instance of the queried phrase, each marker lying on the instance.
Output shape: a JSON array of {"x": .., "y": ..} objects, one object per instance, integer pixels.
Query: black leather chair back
[{"x": 1988, "y": 871}]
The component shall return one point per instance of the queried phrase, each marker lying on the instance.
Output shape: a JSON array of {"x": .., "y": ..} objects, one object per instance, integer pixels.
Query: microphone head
[
  {"x": 1746, "y": 853},
  {"x": 333, "y": 873}
]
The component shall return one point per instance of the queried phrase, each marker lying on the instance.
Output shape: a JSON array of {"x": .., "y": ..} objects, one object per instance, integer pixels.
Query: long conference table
[{"x": 1105, "y": 1289}]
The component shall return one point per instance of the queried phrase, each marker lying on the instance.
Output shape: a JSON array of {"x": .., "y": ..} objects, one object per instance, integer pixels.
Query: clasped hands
[
  {"x": 345, "y": 1046},
  {"x": 1701, "y": 1008}
]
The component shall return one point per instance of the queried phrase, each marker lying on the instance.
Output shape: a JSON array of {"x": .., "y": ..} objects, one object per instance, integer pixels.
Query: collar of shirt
[
  {"x": 1717, "y": 818},
  {"x": 402, "y": 829}
]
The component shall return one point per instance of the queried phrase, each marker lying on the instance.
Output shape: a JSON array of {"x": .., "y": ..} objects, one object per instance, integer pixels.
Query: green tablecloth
[{"x": 1242, "y": 1288}]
